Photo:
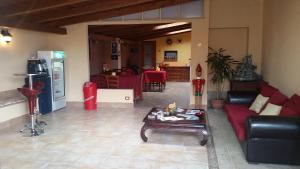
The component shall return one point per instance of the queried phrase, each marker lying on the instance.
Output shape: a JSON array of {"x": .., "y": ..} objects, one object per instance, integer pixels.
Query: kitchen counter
[{"x": 11, "y": 97}]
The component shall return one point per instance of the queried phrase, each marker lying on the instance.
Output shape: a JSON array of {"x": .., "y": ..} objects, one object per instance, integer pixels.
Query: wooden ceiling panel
[
  {"x": 51, "y": 15},
  {"x": 117, "y": 12},
  {"x": 32, "y": 26},
  {"x": 78, "y": 9},
  {"x": 21, "y": 7}
]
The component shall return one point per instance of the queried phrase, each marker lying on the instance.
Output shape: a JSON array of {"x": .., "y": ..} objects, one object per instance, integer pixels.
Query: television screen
[{"x": 170, "y": 56}]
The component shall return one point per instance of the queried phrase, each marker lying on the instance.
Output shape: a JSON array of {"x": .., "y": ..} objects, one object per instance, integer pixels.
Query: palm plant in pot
[{"x": 220, "y": 66}]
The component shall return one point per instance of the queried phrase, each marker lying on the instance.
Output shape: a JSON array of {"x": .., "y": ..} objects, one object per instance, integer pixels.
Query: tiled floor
[
  {"x": 109, "y": 139},
  {"x": 174, "y": 92},
  {"x": 104, "y": 139}
]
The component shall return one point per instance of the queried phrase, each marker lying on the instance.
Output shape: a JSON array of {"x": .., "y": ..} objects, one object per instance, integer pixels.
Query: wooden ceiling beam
[
  {"x": 123, "y": 29},
  {"x": 117, "y": 12},
  {"x": 80, "y": 9},
  {"x": 32, "y": 6},
  {"x": 140, "y": 32},
  {"x": 32, "y": 26},
  {"x": 157, "y": 36},
  {"x": 166, "y": 30},
  {"x": 151, "y": 30}
]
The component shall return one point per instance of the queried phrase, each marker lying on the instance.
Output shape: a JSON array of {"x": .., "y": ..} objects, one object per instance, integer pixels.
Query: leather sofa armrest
[
  {"x": 241, "y": 97},
  {"x": 273, "y": 127}
]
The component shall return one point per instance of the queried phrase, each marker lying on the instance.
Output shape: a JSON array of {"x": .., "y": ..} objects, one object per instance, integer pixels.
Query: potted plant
[{"x": 220, "y": 66}]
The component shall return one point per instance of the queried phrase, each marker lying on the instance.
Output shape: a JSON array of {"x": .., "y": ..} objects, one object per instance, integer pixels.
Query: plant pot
[{"x": 217, "y": 103}]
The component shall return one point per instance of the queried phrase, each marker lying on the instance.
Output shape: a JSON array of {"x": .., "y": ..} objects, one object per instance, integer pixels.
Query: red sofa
[
  {"x": 238, "y": 113},
  {"x": 256, "y": 132}
]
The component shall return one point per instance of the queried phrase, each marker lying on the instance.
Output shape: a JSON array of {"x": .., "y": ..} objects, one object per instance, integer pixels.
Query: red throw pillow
[
  {"x": 278, "y": 98},
  {"x": 267, "y": 90},
  {"x": 293, "y": 106},
  {"x": 295, "y": 99},
  {"x": 286, "y": 111}
]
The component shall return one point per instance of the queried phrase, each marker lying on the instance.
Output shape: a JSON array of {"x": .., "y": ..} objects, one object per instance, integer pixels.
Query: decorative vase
[{"x": 217, "y": 103}]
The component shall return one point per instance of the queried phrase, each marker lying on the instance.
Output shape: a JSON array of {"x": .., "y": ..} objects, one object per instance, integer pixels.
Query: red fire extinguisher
[{"x": 90, "y": 95}]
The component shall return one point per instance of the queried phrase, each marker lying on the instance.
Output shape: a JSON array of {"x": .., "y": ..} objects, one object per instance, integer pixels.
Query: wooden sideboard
[
  {"x": 178, "y": 73},
  {"x": 244, "y": 85}
]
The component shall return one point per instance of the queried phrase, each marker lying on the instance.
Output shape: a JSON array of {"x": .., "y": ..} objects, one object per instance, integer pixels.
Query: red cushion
[
  {"x": 240, "y": 131},
  {"x": 267, "y": 90},
  {"x": 237, "y": 115},
  {"x": 286, "y": 111},
  {"x": 278, "y": 98},
  {"x": 295, "y": 99},
  {"x": 293, "y": 103}
]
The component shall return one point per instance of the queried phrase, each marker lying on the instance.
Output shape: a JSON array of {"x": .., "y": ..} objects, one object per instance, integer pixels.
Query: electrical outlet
[{"x": 127, "y": 98}]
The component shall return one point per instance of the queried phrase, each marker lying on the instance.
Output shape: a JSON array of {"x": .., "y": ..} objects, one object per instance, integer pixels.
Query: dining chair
[
  {"x": 154, "y": 80},
  {"x": 113, "y": 81},
  {"x": 100, "y": 80}
]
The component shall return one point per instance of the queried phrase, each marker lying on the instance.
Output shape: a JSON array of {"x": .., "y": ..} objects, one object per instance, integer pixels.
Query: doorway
[
  {"x": 149, "y": 54},
  {"x": 142, "y": 47}
]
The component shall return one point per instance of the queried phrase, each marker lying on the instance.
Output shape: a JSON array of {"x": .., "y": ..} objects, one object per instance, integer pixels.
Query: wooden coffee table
[{"x": 198, "y": 126}]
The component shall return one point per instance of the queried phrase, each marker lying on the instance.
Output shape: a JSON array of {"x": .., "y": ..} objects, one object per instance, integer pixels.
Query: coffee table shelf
[{"x": 197, "y": 126}]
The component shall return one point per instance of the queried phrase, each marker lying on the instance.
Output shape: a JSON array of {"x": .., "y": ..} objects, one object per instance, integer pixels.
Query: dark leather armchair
[
  {"x": 241, "y": 97},
  {"x": 273, "y": 139}
]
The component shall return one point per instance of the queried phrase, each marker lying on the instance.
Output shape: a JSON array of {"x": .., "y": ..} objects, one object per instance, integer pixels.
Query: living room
[{"x": 266, "y": 29}]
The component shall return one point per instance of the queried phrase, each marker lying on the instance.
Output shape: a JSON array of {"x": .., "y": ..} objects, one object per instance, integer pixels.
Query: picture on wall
[
  {"x": 114, "y": 51},
  {"x": 170, "y": 56}
]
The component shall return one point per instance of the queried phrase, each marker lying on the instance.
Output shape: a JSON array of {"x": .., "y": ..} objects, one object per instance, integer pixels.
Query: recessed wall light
[{"x": 6, "y": 36}]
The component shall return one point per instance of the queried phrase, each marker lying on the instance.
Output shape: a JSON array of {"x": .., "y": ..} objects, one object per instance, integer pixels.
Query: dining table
[
  {"x": 159, "y": 74},
  {"x": 155, "y": 78}
]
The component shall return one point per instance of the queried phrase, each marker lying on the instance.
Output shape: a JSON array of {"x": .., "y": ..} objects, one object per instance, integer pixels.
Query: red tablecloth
[
  {"x": 131, "y": 82},
  {"x": 155, "y": 76}
]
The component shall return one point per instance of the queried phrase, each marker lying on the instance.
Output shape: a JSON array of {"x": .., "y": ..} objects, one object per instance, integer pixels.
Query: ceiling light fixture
[
  {"x": 169, "y": 25},
  {"x": 180, "y": 31},
  {"x": 6, "y": 36}
]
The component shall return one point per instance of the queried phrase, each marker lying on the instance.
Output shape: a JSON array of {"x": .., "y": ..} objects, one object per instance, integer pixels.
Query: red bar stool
[
  {"x": 31, "y": 95},
  {"x": 38, "y": 86}
]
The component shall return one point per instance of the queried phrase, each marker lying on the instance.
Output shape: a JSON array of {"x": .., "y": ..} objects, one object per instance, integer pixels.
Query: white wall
[
  {"x": 115, "y": 96},
  {"x": 13, "y": 59},
  {"x": 281, "y": 58},
  {"x": 13, "y": 56},
  {"x": 237, "y": 14},
  {"x": 13, "y": 111},
  {"x": 236, "y": 25},
  {"x": 75, "y": 45}
]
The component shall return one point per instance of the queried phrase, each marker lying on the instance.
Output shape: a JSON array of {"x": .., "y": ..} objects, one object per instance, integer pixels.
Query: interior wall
[
  {"x": 75, "y": 45},
  {"x": 237, "y": 47},
  {"x": 199, "y": 49},
  {"x": 228, "y": 20},
  {"x": 13, "y": 56},
  {"x": 281, "y": 58},
  {"x": 183, "y": 49}
]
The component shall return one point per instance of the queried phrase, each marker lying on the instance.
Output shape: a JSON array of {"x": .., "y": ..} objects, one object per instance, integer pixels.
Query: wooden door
[
  {"x": 96, "y": 52},
  {"x": 149, "y": 54}
]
